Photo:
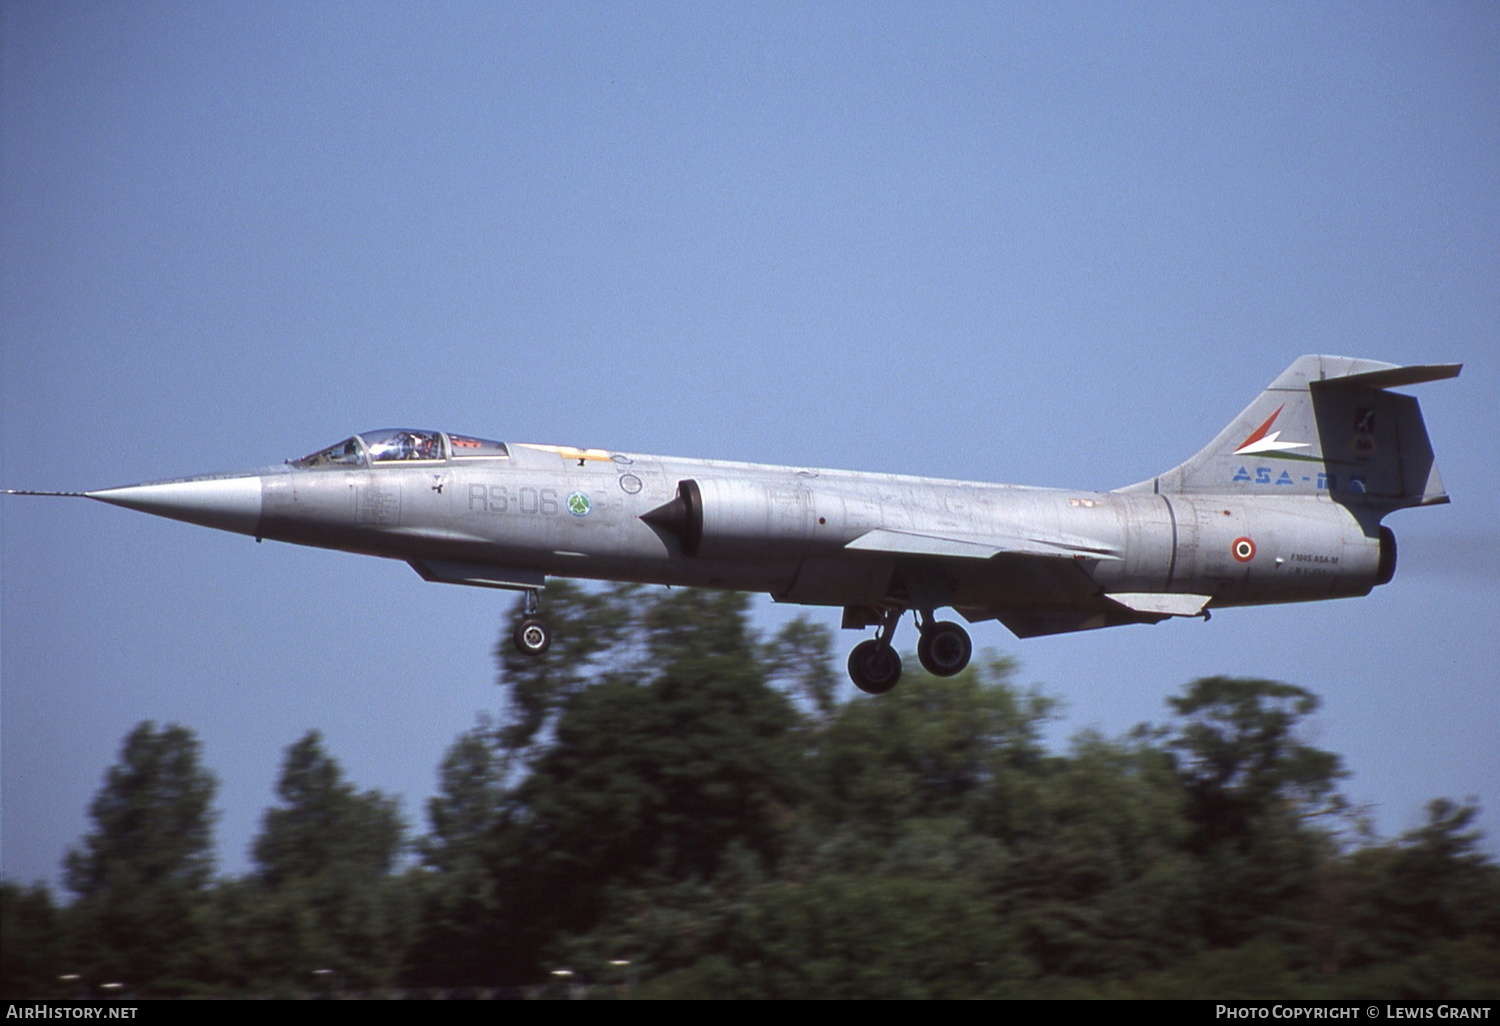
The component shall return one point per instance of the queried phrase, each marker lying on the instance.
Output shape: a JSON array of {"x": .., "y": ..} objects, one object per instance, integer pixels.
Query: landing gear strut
[
  {"x": 944, "y": 649},
  {"x": 532, "y": 636}
]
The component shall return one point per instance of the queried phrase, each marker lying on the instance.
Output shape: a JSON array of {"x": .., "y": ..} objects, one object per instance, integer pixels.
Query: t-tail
[{"x": 1326, "y": 426}]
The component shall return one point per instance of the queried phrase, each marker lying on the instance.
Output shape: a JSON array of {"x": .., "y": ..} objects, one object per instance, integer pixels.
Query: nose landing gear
[{"x": 532, "y": 635}]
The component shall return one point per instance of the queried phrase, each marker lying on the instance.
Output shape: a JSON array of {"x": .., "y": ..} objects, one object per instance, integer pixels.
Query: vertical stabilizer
[{"x": 1326, "y": 425}]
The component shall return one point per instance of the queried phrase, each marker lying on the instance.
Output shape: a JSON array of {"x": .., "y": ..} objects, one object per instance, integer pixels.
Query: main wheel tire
[
  {"x": 944, "y": 649},
  {"x": 532, "y": 636},
  {"x": 874, "y": 667}
]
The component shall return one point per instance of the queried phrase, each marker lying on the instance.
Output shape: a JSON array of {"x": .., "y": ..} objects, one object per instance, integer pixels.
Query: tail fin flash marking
[{"x": 1259, "y": 441}]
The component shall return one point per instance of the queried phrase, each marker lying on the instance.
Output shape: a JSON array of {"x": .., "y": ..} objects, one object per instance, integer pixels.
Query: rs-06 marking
[{"x": 526, "y": 501}]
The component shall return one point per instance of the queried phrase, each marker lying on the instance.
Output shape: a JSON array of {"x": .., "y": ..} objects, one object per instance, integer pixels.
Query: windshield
[{"x": 345, "y": 454}]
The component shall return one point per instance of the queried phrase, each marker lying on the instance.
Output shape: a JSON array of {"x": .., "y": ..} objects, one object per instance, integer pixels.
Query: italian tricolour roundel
[{"x": 1242, "y": 549}]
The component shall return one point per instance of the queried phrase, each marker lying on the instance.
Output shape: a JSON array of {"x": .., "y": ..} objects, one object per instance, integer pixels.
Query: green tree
[
  {"x": 1433, "y": 885},
  {"x": 467, "y": 809},
  {"x": 666, "y": 749},
  {"x": 1263, "y": 805},
  {"x": 141, "y": 874},
  {"x": 463, "y": 932},
  {"x": 654, "y": 797},
  {"x": 32, "y": 944},
  {"x": 799, "y": 661},
  {"x": 949, "y": 780},
  {"x": 964, "y": 746},
  {"x": 1097, "y": 880},
  {"x": 325, "y": 900},
  {"x": 862, "y": 936},
  {"x": 323, "y": 826},
  {"x": 593, "y": 633},
  {"x": 1241, "y": 753}
]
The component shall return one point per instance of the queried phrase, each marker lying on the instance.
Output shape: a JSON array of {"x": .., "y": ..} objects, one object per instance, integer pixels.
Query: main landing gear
[
  {"x": 532, "y": 635},
  {"x": 874, "y": 667},
  {"x": 944, "y": 649}
]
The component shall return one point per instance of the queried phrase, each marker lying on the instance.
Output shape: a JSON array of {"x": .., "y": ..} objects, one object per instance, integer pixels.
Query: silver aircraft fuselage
[
  {"x": 1283, "y": 506},
  {"x": 792, "y": 532}
]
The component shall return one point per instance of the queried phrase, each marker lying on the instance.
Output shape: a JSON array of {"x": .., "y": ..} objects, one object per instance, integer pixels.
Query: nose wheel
[{"x": 532, "y": 635}]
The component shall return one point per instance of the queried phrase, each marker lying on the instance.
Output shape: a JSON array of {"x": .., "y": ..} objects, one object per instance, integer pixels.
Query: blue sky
[{"x": 1053, "y": 244}]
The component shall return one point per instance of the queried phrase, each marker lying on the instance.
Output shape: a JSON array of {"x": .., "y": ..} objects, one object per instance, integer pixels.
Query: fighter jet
[{"x": 1285, "y": 505}]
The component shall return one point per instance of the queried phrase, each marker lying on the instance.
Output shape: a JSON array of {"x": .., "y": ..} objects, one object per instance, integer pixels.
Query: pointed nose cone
[{"x": 227, "y": 503}]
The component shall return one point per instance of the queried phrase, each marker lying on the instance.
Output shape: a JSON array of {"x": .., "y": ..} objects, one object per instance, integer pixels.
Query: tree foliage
[
  {"x": 670, "y": 805},
  {"x": 32, "y": 943},
  {"x": 462, "y": 929},
  {"x": 661, "y": 748},
  {"x": 1242, "y": 759},
  {"x": 1254, "y": 790},
  {"x": 142, "y": 871},
  {"x": 153, "y": 818},
  {"x": 323, "y": 826},
  {"x": 323, "y": 899}
]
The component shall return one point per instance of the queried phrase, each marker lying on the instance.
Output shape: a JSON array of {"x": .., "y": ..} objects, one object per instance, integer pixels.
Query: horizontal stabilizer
[
  {"x": 1395, "y": 377},
  {"x": 909, "y": 543},
  {"x": 1160, "y": 602}
]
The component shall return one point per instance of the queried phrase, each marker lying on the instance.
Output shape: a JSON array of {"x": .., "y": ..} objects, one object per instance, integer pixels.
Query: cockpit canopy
[{"x": 402, "y": 445}]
